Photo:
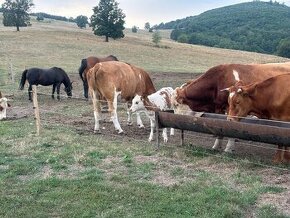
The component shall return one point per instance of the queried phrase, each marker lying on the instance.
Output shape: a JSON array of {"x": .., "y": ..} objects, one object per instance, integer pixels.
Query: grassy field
[{"x": 68, "y": 171}]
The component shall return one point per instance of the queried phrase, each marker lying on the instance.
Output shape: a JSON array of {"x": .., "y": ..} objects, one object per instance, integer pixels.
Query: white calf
[
  {"x": 3, "y": 107},
  {"x": 157, "y": 101}
]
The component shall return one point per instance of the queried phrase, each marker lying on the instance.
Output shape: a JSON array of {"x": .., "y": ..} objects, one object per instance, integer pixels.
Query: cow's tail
[
  {"x": 23, "y": 79},
  {"x": 82, "y": 68}
]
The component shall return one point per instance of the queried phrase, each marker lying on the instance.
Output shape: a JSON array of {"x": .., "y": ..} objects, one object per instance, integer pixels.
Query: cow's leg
[
  {"x": 286, "y": 154},
  {"x": 113, "y": 111},
  {"x": 171, "y": 131},
  {"x": 230, "y": 145},
  {"x": 30, "y": 92},
  {"x": 218, "y": 143},
  {"x": 164, "y": 135},
  {"x": 58, "y": 90},
  {"x": 129, "y": 114},
  {"x": 152, "y": 126},
  {"x": 53, "y": 91},
  {"x": 278, "y": 157},
  {"x": 96, "y": 106},
  {"x": 139, "y": 121}
]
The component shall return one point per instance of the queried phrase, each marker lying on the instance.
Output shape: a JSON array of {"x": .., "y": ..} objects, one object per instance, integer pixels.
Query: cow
[
  {"x": 3, "y": 106},
  {"x": 269, "y": 99},
  {"x": 158, "y": 101},
  {"x": 204, "y": 93},
  {"x": 112, "y": 79}
]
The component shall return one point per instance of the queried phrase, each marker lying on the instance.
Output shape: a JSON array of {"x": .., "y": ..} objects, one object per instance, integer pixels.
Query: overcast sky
[{"x": 137, "y": 11}]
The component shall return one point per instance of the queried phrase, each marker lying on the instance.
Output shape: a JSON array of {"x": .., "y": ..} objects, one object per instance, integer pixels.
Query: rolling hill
[{"x": 253, "y": 26}]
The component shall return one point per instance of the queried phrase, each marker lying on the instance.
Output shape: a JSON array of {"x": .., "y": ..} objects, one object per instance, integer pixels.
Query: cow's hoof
[
  {"x": 129, "y": 123},
  {"x": 229, "y": 151},
  {"x": 120, "y": 131},
  {"x": 141, "y": 126},
  {"x": 97, "y": 131}
]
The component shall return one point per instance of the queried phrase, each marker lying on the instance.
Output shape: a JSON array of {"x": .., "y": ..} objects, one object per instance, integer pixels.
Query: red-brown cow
[
  {"x": 203, "y": 93},
  {"x": 113, "y": 78},
  {"x": 269, "y": 99}
]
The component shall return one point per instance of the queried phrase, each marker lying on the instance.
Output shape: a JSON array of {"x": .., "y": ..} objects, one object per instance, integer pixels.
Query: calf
[
  {"x": 158, "y": 101},
  {"x": 269, "y": 99}
]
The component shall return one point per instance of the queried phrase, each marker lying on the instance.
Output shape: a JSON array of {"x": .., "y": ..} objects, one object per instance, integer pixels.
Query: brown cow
[
  {"x": 203, "y": 93},
  {"x": 113, "y": 78},
  {"x": 269, "y": 99},
  {"x": 88, "y": 63}
]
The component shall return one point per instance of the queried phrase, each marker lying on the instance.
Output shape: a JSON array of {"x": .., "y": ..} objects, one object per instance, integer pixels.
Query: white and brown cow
[
  {"x": 112, "y": 79},
  {"x": 203, "y": 94},
  {"x": 158, "y": 101},
  {"x": 269, "y": 99},
  {"x": 3, "y": 106}
]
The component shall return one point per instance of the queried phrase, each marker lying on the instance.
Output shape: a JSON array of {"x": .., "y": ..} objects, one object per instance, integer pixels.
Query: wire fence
[{"x": 50, "y": 119}]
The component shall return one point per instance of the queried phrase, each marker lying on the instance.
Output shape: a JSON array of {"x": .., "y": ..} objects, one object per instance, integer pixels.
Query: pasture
[{"x": 68, "y": 171}]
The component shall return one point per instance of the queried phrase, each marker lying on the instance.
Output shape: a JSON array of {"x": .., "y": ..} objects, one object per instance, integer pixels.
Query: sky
[{"x": 137, "y": 12}]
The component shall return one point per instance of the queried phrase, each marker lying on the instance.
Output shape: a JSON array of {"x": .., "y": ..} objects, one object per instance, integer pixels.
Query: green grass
[{"x": 69, "y": 172}]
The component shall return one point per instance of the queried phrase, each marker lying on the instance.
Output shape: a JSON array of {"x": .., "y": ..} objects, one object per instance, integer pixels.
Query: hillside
[
  {"x": 253, "y": 26},
  {"x": 57, "y": 43}
]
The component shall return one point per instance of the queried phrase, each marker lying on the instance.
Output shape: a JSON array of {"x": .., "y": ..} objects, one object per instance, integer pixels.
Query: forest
[{"x": 254, "y": 26}]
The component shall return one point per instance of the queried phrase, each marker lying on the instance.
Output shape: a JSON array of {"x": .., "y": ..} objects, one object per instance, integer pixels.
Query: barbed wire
[{"x": 49, "y": 123}]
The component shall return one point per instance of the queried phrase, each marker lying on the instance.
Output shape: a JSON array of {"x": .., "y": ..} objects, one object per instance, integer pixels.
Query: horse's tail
[
  {"x": 23, "y": 79},
  {"x": 82, "y": 68}
]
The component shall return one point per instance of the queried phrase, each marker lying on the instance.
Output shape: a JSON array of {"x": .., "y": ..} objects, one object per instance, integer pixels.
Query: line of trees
[{"x": 108, "y": 19}]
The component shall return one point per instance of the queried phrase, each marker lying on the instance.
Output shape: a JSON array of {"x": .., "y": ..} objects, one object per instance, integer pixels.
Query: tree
[
  {"x": 134, "y": 29},
  {"x": 108, "y": 20},
  {"x": 283, "y": 48},
  {"x": 39, "y": 17},
  {"x": 15, "y": 13},
  {"x": 147, "y": 26},
  {"x": 156, "y": 38},
  {"x": 81, "y": 21}
]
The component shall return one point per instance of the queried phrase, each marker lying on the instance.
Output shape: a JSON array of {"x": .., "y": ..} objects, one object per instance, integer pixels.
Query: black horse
[
  {"x": 88, "y": 63},
  {"x": 53, "y": 76}
]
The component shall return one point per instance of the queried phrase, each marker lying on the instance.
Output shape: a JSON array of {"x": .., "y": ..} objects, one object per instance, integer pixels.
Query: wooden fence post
[
  {"x": 36, "y": 109},
  {"x": 11, "y": 72}
]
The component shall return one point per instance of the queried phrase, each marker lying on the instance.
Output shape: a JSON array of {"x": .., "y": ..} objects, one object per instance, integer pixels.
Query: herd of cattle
[{"x": 239, "y": 90}]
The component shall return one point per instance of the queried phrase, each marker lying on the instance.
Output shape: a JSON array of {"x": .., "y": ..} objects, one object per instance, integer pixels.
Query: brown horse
[
  {"x": 113, "y": 78},
  {"x": 88, "y": 63}
]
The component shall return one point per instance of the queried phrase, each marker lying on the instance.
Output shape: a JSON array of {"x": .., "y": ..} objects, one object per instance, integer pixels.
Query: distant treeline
[
  {"x": 49, "y": 16},
  {"x": 253, "y": 26}
]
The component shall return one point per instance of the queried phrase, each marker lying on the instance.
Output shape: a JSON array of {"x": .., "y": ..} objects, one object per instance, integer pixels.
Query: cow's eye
[{"x": 137, "y": 102}]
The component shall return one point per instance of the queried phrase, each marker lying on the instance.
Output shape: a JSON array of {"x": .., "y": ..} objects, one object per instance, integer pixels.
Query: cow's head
[
  {"x": 176, "y": 98},
  {"x": 239, "y": 103},
  {"x": 137, "y": 104}
]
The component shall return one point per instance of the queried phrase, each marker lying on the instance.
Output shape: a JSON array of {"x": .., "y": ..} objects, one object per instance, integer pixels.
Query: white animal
[
  {"x": 3, "y": 106},
  {"x": 158, "y": 101}
]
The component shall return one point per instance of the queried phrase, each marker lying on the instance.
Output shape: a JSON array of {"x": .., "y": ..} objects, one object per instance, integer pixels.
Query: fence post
[
  {"x": 182, "y": 137},
  {"x": 11, "y": 72},
  {"x": 36, "y": 109}
]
